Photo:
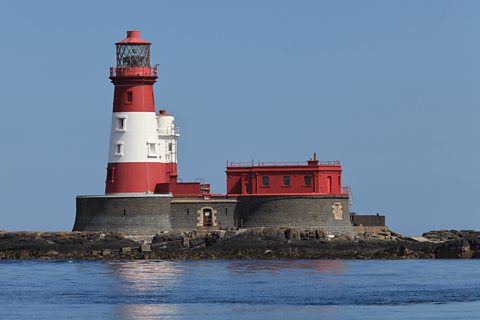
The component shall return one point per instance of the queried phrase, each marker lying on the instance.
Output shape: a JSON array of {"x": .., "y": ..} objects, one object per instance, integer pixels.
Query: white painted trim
[{"x": 119, "y": 128}]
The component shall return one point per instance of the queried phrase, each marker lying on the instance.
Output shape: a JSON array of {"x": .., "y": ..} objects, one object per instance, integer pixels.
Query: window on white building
[
  {"x": 121, "y": 123},
  {"x": 152, "y": 149},
  {"x": 119, "y": 149}
]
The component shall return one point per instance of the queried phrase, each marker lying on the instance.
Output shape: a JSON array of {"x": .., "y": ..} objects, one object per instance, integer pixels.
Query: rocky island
[{"x": 254, "y": 243}]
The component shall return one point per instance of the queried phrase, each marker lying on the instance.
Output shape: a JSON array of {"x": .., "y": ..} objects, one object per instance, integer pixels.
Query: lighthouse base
[
  {"x": 152, "y": 214},
  {"x": 129, "y": 214}
]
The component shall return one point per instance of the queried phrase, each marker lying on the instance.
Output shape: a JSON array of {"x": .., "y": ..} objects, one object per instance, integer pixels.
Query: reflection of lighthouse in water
[
  {"x": 164, "y": 289},
  {"x": 141, "y": 279},
  {"x": 142, "y": 150}
]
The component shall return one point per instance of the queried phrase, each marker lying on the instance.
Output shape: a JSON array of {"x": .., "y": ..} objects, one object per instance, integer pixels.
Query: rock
[
  {"x": 174, "y": 244},
  {"x": 162, "y": 238},
  {"x": 145, "y": 247},
  {"x": 198, "y": 242},
  {"x": 272, "y": 234},
  {"x": 257, "y": 243},
  {"x": 319, "y": 234},
  {"x": 211, "y": 239},
  {"x": 455, "y": 249},
  {"x": 292, "y": 234},
  {"x": 268, "y": 254},
  {"x": 307, "y": 234}
]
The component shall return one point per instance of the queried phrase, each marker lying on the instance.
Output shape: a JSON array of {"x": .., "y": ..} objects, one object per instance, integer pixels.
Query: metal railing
[
  {"x": 133, "y": 71},
  {"x": 240, "y": 164},
  {"x": 168, "y": 131},
  {"x": 278, "y": 164}
]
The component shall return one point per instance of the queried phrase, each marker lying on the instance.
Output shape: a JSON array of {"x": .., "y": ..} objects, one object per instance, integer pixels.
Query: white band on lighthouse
[{"x": 142, "y": 137}]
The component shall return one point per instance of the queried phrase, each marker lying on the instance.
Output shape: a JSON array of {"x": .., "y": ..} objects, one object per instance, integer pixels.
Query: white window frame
[
  {"x": 121, "y": 120},
  {"x": 150, "y": 153},
  {"x": 119, "y": 148}
]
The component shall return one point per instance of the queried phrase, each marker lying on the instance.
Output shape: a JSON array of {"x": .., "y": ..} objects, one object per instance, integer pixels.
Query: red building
[{"x": 282, "y": 178}]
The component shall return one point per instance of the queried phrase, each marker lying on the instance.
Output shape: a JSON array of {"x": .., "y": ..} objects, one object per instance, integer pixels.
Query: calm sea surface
[{"x": 295, "y": 289}]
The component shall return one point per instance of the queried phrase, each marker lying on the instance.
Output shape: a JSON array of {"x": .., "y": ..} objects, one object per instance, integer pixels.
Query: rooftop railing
[{"x": 279, "y": 164}]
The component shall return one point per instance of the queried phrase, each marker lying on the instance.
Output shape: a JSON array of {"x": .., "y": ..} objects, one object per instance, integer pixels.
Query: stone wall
[
  {"x": 330, "y": 213},
  {"x": 188, "y": 213},
  {"x": 368, "y": 220},
  {"x": 152, "y": 214},
  {"x": 129, "y": 215}
]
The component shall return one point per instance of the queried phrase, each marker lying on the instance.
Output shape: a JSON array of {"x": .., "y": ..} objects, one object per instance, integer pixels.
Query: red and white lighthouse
[{"x": 143, "y": 144}]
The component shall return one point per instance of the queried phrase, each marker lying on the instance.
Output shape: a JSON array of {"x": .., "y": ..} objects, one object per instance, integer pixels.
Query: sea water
[{"x": 286, "y": 289}]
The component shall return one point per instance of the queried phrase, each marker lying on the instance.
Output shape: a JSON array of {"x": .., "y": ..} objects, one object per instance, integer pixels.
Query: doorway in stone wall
[{"x": 207, "y": 217}]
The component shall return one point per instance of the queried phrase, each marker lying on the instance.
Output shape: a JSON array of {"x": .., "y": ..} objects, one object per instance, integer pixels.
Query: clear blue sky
[{"x": 390, "y": 88}]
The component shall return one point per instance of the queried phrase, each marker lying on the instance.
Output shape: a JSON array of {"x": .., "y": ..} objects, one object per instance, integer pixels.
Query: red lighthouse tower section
[{"x": 142, "y": 149}]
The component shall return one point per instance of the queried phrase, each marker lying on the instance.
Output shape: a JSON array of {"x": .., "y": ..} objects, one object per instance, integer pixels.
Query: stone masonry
[
  {"x": 188, "y": 213},
  {"x": 330, "y": 213},
  {"x": 151, "y": 214},
  {"x": 128, "y": 215}
]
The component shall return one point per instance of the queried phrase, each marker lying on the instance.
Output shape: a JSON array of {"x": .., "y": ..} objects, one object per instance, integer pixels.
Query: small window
[
  {"x": 110, "y": 174},
  {"x": 121, "y": 124},
  {"x": 286, "y": 181},
  {"x": 152, "y": 149},
  {"x": 307, "y": 180},
  {"x": 265, "y": 181},
  {"x": 129, "y": 96},
  {"x": 119, "y": 149},
  {"x": 170, "y": 147}
]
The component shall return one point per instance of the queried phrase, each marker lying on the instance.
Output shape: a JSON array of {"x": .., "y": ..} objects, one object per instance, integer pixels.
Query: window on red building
[
  {"x": 111, "y": 174},
  {"x": 286, "y": 181},
  {"x": 307, "y": 180},
  {"x": 265, "y": 181}
]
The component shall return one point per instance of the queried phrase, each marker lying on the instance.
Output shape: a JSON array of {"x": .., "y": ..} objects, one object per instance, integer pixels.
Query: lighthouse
[
  {"x": 144, "y": 196},
  {"x": 143, "y": 144}
]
